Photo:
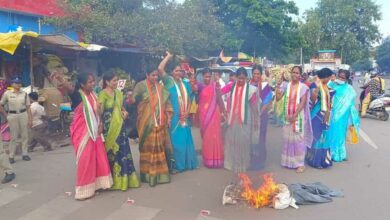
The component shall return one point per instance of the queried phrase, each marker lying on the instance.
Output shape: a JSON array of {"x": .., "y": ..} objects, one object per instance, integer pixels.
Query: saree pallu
[
  {"x": 154, "y": 138},
  {"x": 181, "y": 135},
  {"x": 319, "y": 154},
  {"x": 93, "y": 170},
  {"x": 344, "y": 115},
  {"x": 117, "y": 143},
  {"x": 210, "y": 127},
  {"x": 240, "y": 136},
  {"x": 295, "y": 143},
  {"x": 258, "y": 151}
]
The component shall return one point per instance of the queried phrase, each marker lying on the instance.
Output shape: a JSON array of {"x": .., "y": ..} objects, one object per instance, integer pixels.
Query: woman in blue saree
[
  {"x": 181, "y": 97},
  {"x": 319, "y": 155},
  {"x": 344, "y": 115}
]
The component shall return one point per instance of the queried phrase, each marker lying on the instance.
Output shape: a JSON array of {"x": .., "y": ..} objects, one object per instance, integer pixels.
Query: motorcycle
[{"x": 379, "y": 107}]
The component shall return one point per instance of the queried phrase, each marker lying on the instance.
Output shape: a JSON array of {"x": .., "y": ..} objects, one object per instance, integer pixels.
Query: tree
[
  {"x": 349, "y": 26},
  {"x": 263, "y": 27},
  {"x": 362, "y": 65},
  {"x": 383, "y": 55},
  {"x": 190, "y": 28}
]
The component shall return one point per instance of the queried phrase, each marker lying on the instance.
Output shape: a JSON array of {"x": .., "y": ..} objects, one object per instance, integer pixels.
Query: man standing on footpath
[{"x": 18, "y": 115}]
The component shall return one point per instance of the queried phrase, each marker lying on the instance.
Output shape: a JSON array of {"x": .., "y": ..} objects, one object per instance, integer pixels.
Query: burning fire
[{"x": 261, "y": 197}]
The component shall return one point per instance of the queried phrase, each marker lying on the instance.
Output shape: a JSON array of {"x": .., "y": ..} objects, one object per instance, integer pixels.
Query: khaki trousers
[
  {"x": 4, "y": 161},
  {"x": 18, "y": 128},
  {"x": 365, "y": 103}
]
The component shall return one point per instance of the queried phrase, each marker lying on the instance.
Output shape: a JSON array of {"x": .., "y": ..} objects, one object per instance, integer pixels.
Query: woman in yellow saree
[
  {"x": 116, "y": 141},
  {"x": 154, "y": 113}
]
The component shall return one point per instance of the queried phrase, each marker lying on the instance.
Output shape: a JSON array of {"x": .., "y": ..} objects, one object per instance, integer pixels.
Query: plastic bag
[{"x": 352, "y": 135}]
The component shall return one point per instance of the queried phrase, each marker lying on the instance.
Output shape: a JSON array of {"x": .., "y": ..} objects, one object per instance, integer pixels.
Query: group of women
[
  {"x": 233, "y": 134},
  {"x": 316, "y": 119}
]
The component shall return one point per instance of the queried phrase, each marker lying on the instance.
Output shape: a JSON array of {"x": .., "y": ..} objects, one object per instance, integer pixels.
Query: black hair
[
  {"x": 241, "y": 71},
  {"x": 299, "y": 68},
  {"x": 206, "y": 70},
  {"x": 257, "y": 67},
  {"x": 173, "y": 64},
  {"x": 346, "y": 73},
  {"x": 150, "y": 69},
  {"x": 34, "y": 96},
  {"x": 324, "y": 73},
  {"x": 82, "y": 79},
  {"x": 108, "y": 77}
]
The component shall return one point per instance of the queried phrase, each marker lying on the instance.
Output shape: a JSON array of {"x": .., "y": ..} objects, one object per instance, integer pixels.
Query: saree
[
  {"x": 180, "y": 131},
  {"x": 93, "y": 170},
  {"x": 239, "y": 135},
  {"x": 116, "y": 142},
  {"x": 344, "y": 116},
  {"x": 319, "y": 154},
  {"x": 210, "y": 127},
  {"x": 258, "y": 151},
  {"x": 153, "y": 103},
  {"x": 297, "y": 136}
]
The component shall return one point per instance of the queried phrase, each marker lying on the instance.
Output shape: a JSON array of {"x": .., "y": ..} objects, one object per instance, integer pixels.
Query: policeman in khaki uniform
[{"x": 18, "y": 115}]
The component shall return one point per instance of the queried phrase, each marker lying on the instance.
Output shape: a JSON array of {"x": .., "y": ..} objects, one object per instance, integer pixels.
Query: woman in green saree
[{"x": 116, "y": 141}]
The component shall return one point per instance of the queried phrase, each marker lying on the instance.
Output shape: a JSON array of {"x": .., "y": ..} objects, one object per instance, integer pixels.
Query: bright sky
[
  {"x": 303, "y": 5},
  {"x": 384, "y": 26}
]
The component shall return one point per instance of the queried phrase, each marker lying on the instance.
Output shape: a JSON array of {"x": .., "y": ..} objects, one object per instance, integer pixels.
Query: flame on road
[{"x": 262, "y": 196}]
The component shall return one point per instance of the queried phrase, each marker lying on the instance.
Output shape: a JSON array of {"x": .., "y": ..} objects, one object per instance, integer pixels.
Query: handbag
[{"x": 352, "y": 135}]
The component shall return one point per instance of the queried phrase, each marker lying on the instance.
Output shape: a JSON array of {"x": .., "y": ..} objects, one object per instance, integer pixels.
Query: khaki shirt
[
  {"x": 15, "y": 101},
  {"x": 52, "y": 99}
]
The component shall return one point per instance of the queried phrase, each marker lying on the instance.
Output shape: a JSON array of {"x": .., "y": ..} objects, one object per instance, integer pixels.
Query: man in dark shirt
[{"x": 374, "y": 89}]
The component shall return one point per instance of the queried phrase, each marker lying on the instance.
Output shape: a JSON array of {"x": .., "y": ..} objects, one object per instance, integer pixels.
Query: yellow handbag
[
  {"x": 352, "y": 135},
  {"x": 194, "y": 107}
]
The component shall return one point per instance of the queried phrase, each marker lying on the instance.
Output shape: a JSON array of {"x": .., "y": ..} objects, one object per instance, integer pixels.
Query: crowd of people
[{"x": 317, "y": 118}]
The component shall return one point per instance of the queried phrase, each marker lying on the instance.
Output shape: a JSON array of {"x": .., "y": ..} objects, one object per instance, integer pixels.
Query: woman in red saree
[
  {"x": 93, "y": 170},
  {"x": 210, "y": 108}
]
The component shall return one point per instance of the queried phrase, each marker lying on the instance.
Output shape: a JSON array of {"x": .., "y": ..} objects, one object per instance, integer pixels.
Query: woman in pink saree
[
  {"x": 210, "y": 108},
  {"x": 93, "y": 170}
]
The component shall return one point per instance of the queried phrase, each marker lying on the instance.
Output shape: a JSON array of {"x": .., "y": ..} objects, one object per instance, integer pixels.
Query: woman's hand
[
  {"x": 100, "y": 128},
  {"x": 168, "y": 54},
  {"x": 292, "y": 118},
  {"x": 125, "y": 114}
]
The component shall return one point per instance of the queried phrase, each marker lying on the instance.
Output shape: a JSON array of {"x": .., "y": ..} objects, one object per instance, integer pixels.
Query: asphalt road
[{"x": 40, "y": 188}]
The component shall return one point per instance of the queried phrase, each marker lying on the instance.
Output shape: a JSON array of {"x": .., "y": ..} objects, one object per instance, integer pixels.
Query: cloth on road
[{"x": 313, "y": 193}]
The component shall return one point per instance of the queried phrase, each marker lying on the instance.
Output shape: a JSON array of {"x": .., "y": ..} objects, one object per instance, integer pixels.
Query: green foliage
[
  {"x": 348, "y": 26},
  {"x": 383, "y": 55},
  {"x": 262, "y": 27},
  {"x": 362, "y": 65},
  {"x": 189, "y": 28}
]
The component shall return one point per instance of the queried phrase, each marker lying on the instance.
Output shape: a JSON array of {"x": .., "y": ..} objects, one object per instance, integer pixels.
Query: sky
[
  {"x": 303, "y": 5},
  {"x": 384, "y": 26}
]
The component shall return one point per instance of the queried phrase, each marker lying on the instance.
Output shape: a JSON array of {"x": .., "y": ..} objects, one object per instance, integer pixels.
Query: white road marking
[
  {"x": 203, "y": 217},
  {"x": 368, "y": 139},
  {"x": 8, "y": 195},
  {"x": 57, "y": 208},
  {"x": 129, "y": 211}
]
